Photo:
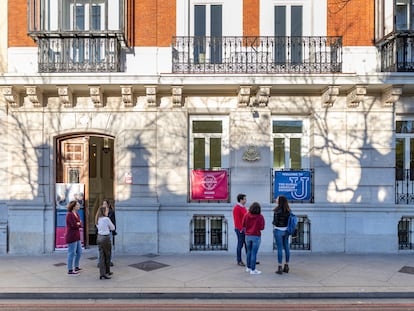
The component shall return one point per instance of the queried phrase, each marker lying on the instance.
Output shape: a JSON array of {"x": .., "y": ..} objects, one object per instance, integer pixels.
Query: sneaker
[
  {"x": 248, "y": 270},
  {"x": 73, "y": 273},
  {"x": 77, "y": 269},
  {"x": 255, "y": 272}
]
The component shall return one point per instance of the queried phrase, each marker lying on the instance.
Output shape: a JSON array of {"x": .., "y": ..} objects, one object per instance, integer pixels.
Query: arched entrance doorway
[{"x": 84, "y": 171}]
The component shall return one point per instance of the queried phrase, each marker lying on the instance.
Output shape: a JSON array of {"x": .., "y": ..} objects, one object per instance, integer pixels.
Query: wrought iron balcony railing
[
  {"x": 397, "y": 52},
  {"x": 404, "y": 186},
  {"x": 86, "y": 52},
  {"x": 256, "y": 54}
]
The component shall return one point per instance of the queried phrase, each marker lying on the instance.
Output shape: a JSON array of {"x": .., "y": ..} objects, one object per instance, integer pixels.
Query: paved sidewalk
[{"x": 209, "y": 276}]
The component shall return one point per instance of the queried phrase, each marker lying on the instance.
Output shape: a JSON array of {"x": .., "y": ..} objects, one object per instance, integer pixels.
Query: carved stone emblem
[{"x": 251, "y": 153}]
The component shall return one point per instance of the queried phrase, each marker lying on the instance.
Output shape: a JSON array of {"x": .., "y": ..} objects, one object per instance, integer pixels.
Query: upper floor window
[
  {"x": 290, "y": 143},
  {"x": 404, "y": 15},
  {"x": 288, "y": 23},
  {"x": 79, "y": 16},
  {"x": 208, "y": 22},
  {"x": 208, "y": 142},
  {"x": 84, "y": 15}
]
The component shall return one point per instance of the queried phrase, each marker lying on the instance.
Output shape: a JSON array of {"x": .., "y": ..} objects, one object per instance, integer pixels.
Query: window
[
  {"x": 208, "y": 142},
  {"x": 84, "y": 15},
  {"x": 290, "y": 144},
  {"x": 404, "y": 161},
  {"x": 405, "y": 233},
  {"x": 208, "y": 233},
  {"x": 404, "y": 15},
  {"x": 207, "y": 23},
  {"x": 288, "y": 22}
]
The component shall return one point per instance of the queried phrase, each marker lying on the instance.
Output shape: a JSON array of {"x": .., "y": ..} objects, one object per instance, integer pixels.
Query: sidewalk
[{"x": 209, "y": 276}]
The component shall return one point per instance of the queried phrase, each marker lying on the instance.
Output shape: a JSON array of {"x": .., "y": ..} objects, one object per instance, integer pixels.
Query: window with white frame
[
  {"x": 208, "y": 24},
  {"x": 404, "y": 146},
  {"x": 404, "y": 18},
  {"x": 290, "y": 143},
  {"x": 84, "y": 15},
  {"x": 208, "y": 142},
  {"x": 288, "y": 23}
]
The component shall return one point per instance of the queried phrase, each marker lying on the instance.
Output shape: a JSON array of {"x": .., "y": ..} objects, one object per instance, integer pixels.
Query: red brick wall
[
  {"x": 353, "y": 20},
  {"x": 17, "y": 24},
  {"x": 251, "y": 26},
  {"x": 154, "y": 22}
]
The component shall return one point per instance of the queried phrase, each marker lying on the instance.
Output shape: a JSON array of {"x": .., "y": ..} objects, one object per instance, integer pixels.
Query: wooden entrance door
[{"x": 73, "y": 167}]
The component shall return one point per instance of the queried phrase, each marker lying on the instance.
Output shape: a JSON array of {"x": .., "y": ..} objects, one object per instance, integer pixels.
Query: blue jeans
[
  {"x": 282, "y": 242},
  {"x": 241, "y": 240},
  {"x": 74, "y": 252},
  {"x": 253, "y": 243}
]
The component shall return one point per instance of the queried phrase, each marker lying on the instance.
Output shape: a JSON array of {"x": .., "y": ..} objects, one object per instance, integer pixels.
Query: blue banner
[{"x": 294, "y": 185}]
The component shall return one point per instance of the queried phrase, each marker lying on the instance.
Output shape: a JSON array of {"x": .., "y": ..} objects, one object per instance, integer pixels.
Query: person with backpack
[{"x": 280, "y": 221}]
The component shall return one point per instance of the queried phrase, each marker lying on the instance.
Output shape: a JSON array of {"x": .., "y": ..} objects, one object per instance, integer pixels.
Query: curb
[{"x": 208, "y": 296}]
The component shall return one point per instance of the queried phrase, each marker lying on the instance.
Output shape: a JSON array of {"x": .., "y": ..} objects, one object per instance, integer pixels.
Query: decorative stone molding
[
  {"x": 262, "y": 96},
  {"x": 151, "y": 92},
  {"x": 356, "y": 96},
  {"x": 96, "y": 94},
  {"x": 244, "y": 95},
  {"x": 11, "y": 96},
  {"x": 65, "y": 96},
  {"x": 329, "y": 95},
  {"x": 251, "y": 154},
  {"x": 177, "y": 96},
  {"x": 126, "y": 95},
  {"x": 391, "y": 95},
  {"x": 34, "y": 95}
]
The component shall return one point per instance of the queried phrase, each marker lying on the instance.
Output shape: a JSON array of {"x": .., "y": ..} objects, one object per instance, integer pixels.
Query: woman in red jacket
[
  {"x": 73, "y": 224},
  {"x": 253, "y": 224}
]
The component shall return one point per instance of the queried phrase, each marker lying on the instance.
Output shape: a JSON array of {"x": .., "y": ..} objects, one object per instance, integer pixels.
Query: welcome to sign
[{"x": 294, "y": 185}]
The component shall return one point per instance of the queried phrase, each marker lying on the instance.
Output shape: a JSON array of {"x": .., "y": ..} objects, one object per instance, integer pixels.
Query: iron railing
[
  {"x": 404, "y": 186},
  {"x": 86, "y": 52},
  {"x": 208, "y": 233},
  {"x": 302, "y": 240},
  {"x": 249, "y": 54},
  {"x": 397, "y": 52},
  {"x": 405, "y": 233}
]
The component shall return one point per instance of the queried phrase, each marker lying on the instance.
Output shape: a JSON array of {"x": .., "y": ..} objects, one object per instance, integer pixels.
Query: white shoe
[
  {"x": 248, "y": 270},
  {"x": 255, "y": 272}
]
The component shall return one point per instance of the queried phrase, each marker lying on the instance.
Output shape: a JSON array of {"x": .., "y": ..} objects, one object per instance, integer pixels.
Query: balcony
[
  {"x": 261, "y": 55},
  {"x": 81, "y": 52},
  {"x": 397, "y": 52}
]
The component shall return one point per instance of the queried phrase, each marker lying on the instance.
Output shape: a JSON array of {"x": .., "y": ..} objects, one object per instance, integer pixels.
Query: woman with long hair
[
  {"x": 253, "y": 223},
  {"x": 280, "y": 221},
  {"x": 73, "y": 238}
]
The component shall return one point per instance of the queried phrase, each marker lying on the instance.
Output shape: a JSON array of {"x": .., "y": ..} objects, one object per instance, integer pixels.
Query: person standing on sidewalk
[
  {"x": 73, "y": 239},
  {"x": 112, "y": 234},
  {"x": 239, "y": 210},
  {"x": 280, "y": 221},
  {"x": 253, "y": 223},
  {"x": 105, "y": 226}
]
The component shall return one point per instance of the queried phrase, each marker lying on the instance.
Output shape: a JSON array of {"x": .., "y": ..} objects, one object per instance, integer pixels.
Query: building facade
[{"x": 171, "y": 108}]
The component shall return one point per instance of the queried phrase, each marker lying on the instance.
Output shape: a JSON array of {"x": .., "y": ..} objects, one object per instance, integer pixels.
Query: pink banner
[{"x": 209, "y": 185}]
